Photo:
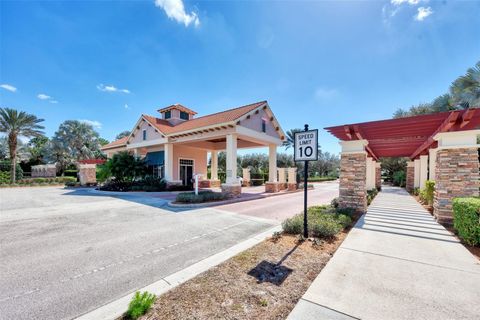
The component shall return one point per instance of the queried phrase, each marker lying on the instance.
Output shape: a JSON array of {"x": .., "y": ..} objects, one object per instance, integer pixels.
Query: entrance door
[{"x": 186, "y": 172}]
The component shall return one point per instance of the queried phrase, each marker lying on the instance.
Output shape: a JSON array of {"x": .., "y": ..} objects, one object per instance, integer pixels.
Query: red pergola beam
[
  {"x": 445, "y": 126},
  {"x": 359, "y": 136},
  {"x": 467, "y": 116}
]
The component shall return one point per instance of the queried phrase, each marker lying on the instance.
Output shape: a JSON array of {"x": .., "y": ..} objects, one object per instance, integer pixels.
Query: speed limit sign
[{"x": 306, "y": 145}]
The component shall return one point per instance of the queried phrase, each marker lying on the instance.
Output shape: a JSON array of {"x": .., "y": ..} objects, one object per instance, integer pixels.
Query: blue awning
[{"x": 155, "y": 158}]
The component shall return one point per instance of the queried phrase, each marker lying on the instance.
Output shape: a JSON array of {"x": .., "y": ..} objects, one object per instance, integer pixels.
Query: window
[
  {"x": 144, "y": 134},
  {"x": 168, "y": 114},
  {"x": 264, "y": 125},
  {"x": 183, "y": 115}
]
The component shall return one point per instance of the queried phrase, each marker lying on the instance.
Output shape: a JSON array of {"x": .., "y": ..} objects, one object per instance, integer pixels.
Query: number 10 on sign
[{"x": 306, "y": 145}]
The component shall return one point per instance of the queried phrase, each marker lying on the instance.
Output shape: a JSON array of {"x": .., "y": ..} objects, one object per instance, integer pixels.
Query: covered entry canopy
[{"x": 406, "y": 137}]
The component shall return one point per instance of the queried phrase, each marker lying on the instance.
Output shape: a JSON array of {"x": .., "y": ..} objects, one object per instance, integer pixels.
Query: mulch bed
[{"x": 263, "y": 282}]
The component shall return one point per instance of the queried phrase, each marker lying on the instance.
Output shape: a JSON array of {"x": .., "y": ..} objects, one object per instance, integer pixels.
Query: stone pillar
[
  {"x": 246, "y": 177},
  {"x": 232, "y": 185},
  {"x": 214, "y": 182},
  {"x": 378, "y": 176},
  {"x": 272, "y": 185},
  {"x": 87, "y": 174},
  {"x": 457, "y": 171},
  {"x": 409, "y": 183},
  {"x": 432, "y": 160},
  {"x": 282, "y": 178},
  {"x": 416, "y": 173},
  {"x": 370, "y": 183},
  {"x": 168, "y": 162},
  {"x": 292, "y": 179},
  {"x": 423, "y": 170},
  {"x": 353, "y": 170}
]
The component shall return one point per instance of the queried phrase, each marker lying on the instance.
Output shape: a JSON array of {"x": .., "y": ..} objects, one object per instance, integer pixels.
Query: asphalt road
[{"x": 64, "y": 253}]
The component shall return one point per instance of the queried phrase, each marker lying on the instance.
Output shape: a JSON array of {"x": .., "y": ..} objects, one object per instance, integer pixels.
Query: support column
[
  {"x": 246, "y": 177},
  {"x": 423, "y": 170},
  {"x": 457, "y": 171},
  {"x": 416, "y": 173},
  {"x": 168, "y": 162},
  {"x": 232, "y": 185},
  {"x": 272, "y": 185},
  {"x": 378, "y": 176},
  {"x": 282, "y": 178},
  {"x": 409, "y": 183},
  {"x": 432, "y": 160},
  {"x": 292, "y": 179},
  {"x": 370, "y": 183},
  {"x": 353, "y": 171},
  {"x": 214, "y": 182}
]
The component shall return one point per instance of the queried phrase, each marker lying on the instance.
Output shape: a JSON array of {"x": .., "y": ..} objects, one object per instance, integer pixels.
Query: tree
[
  {"x": 35, "y": 148},
  {"x": 122, "y": 134},
  {"x": 124, "y": 167},
  {"x": 102, "y": 142},
  {"x": 466, "y": 89},
  {"x": 74, "y": 140},
  {"x": 290, "y": 138},
  {"x": 464, "y": 93},
  {"x": 14, "y": 124}
]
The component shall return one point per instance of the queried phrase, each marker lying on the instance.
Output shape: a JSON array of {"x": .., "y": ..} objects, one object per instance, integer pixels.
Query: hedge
[
  {"x": 39, "y": 181},
  {"x": 466, "y": 219},
  {"x": 203, "y": 196}
]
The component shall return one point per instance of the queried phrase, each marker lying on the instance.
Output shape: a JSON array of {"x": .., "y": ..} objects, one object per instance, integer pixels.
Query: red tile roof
[
  {"x": 115, "y": 144},
  {"x": 177, "y": 106},
  {"x": 209, "y": 120},
  {"x": 205, "y": 121}
]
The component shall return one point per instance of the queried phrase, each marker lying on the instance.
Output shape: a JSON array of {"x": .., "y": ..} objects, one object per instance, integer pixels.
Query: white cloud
[
  {"x": 126, "y": 106},
  {"x": 93, "y": 123},
  {"x": 8, "y": 87},
  {"x": 410, "y": 2},
  {"x": 53, "y": 101},
  {"x": 111, "y": 88},
  {"x": 43, "y": 96},
  {"x": 325, "y": 93},
  {"x": 176, "y": 10},
  {"x": 423, "y": 12}
]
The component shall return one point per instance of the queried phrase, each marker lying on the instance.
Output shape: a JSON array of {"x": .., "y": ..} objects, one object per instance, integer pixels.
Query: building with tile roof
[{"x": 176, "y": 144}]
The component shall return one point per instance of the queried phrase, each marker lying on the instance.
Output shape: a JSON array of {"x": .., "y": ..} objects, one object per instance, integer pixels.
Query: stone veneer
[
  {"x": 378, "y": 177},
  {"x": 87, "y": 174},
  {"x": 457, "y": 175},
  {"x": 233, "y": 190},
  {"x": 272, "y": 187},
  {"x": 44, "y": 171},
  {"x": 353, "y": 190},
  {"x": 410, "y": 178}
]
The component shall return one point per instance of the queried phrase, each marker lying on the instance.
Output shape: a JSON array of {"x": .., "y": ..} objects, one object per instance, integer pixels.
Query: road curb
[{"x": 117, "y": 307}]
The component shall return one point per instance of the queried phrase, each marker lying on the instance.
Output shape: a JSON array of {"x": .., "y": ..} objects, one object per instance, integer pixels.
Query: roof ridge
[{"x": 228, "y": 110}]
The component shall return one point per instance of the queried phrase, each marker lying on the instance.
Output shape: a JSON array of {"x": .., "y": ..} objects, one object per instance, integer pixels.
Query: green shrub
[
  {"x": 371, "y": 194},
  {"x": 203, "y": 196},
  {"x": 335, "y": 202},
  {"x": 321, "y": 179},
  {"x": 416, "y": 191},
  {"x": 325, "y": 228},
  {"x": 140, "y": 304},
  {"x": 399, "y": 178},
  {"x": 466, "y": 219},
  {"x": 323, "y": 222},
  {"x": 6, "y": 166},
  {"x": 429, "y": 191}
]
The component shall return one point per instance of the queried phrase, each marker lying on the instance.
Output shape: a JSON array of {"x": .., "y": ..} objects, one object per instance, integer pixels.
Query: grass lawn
[{"x": 264, "y": 282}]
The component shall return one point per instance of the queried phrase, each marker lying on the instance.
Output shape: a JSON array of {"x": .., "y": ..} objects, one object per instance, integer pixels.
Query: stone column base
[
  {"x": 246, "y": 183},
  {"x": 87, "y": 174},
  {"x": 174, "y": 183},
  {"x": 234, "y": 190},
  {"x": 272, "y": 187},
  {"x": 409, "y": 178},
  {"x": 291, "y": 186},
  {"x": 215, "y": 183}
]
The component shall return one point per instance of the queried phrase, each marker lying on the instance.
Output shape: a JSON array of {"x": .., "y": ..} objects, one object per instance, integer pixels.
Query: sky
[{"x": 323, "y": 63}]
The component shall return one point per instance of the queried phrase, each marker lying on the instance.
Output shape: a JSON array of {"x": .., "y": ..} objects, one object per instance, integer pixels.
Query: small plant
[
  {"x": 429, "y": 191},
  {"x": 140, "y": 304},
  {"x": 263, "y": 302},
  {"x": 317, "y": 242},
  {"x": 466, "y": 219},
  {"x": 335, "y": 203},
  {"x": 416, "y": 191},
  {"x": 276, "y": 236},
  {"x": 301, "y": 238}
]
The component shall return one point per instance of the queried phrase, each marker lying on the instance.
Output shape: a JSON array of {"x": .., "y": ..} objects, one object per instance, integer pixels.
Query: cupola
[{"x": 176, "y": 113}]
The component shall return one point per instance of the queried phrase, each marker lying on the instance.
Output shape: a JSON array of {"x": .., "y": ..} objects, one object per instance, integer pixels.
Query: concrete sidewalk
[{"x": 396, "y": 263}]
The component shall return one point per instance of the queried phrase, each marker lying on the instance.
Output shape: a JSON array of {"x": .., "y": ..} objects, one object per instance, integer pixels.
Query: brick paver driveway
[{"x": 66, "y": 252}]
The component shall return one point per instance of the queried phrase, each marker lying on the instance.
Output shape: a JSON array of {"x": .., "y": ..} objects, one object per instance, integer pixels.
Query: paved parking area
[{"x": 66, "y": 252}]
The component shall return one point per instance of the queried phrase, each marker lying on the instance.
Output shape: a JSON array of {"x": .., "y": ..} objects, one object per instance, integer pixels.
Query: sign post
[{"x": 306, "y": 149}]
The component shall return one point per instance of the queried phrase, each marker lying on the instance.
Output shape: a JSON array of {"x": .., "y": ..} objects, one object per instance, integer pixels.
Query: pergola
[{"x": 441, "y": 147}]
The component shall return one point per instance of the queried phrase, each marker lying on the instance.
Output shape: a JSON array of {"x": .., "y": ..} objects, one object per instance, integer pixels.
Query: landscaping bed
[
  {"x": 263, "y": 282},
  {"x": 227, "y": 291}
]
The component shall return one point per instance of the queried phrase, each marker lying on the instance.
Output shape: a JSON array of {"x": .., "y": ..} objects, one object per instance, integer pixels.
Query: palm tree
[
  {"x": 290, "y": 138},
  {"x": 14, "y": 124},
  {"x": 466, "y": 89}
]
